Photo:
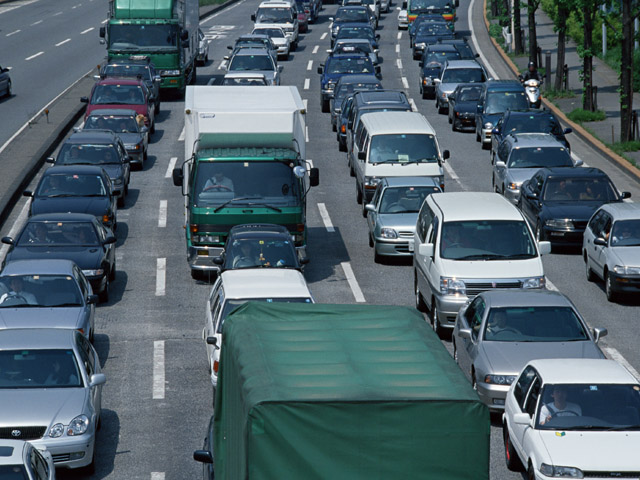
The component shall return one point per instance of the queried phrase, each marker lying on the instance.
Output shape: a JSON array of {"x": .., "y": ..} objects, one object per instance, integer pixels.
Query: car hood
[
  {"x": 491, "y": 117},
  {"x": 508, "y": 358},
  {"x": 429, "y": 39},
  {"x": 447, "y": 88},
  {"x": 41, "y": 406},
  {"x": 629, "y": 256},
  {"x": 41, "y": 317},
  {"x": 519, "y": 175},
  {"x": 139, "y": 109},
  {"x": 129, "y": 137},
  {"x": 492, "y": 269},
  {"x": 575, "y": 211},
  {"x": 466, "y": 107},
  {"x": 400, "y": 221},
  {"x": 593, "y": 450},
  {"x": 87, "y": 258},
  {"x": 96, "y": 206},
  {"x": 114, "y": 170}
]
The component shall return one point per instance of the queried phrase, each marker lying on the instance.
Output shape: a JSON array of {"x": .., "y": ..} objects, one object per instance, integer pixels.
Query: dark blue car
[
  {"x": 497, "y": 97},
  {"x": 338, "y": 65}
]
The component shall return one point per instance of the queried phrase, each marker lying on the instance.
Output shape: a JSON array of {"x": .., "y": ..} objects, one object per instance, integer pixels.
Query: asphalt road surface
[{"x": 157, "y": 401}]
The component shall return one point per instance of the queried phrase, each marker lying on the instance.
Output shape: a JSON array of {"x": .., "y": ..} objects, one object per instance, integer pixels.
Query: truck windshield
[
  {"x": 136, "y": 37},
  {"x": 403, "y": 148},
  {"x": 243, "y": 183},
  {"x": 274, "y": 15}
]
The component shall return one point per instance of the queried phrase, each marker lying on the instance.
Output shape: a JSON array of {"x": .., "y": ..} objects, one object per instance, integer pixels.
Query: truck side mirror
[
  {"x": 184, "y": 35},
  {"x": 178, "y": 177},
  {"x": 103, "y": 32},
  {"x": 253, "y": 17},
  {"x": 84, "y": 99},
  {"x": 314, "y": 177},
  {"x": 446, "y": 154},
  {"x": 203, "y": 456},
  {"x": 320, "y": 69}
]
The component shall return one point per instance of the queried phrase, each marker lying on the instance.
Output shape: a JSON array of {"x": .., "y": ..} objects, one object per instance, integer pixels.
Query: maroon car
[{"x": 129, "y": 93}]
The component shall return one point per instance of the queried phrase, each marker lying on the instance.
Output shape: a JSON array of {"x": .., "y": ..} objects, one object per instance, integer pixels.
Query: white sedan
[{"x": 573, "y": 418}]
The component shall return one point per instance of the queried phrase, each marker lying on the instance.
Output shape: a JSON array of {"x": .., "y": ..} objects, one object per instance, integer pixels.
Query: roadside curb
[{"x": 594, "y": 142}]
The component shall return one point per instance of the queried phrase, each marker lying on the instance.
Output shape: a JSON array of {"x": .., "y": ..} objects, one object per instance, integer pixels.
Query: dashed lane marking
[
  {"x": 161, "y": 275},
  {"x": 170, "y": 167},
  {"x": 323, "y": 36},
  {"x": 158, "y": 371},
  {"x": 399, "y": 63},
  {"x": 353, "y": 283},
  {"x": 63, "y": 42},
  {"x": 87, "y": 30},
  {"x": 315, "y": 49},
  {"x": 181, "y": 136},
  {"x": 405, "y": 82},
  {"x": 36, "y": 23},
  {"x": 162, "y": 214},
  {"x": 310, "y": 65},
  {"x": 13, "y": 33},
  {"x": 414, "y": 107},
  {"x": 326, "y": 219},
  {"x": 306, "y": 84},
  {"x": 397, "y": 48},
  {"x": 34, "y": 56}
]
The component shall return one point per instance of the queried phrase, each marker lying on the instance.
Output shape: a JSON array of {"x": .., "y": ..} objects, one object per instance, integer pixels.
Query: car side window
[
  {"x": 606, "y": 226},
  {"x": 362, "y": 139},
  {"x": 433, "y": 232},
  {"x": 475, "y": 320},
  {"x": 424, "y": 221},
  {"x": 82, "y": 282},
  {"x": 358, "y": 134},
  {"x": 377, "y": 195},
  {"x": 522, "y": 385},
  {"x": 217, "y": 308},
  {"x": 536, "y": 184},
  {"x": 531, "y": 401},
  {"x": 503, "y": 151},
  {"x": 595, "y": 224},
  {"x": 86, "y": 353}
]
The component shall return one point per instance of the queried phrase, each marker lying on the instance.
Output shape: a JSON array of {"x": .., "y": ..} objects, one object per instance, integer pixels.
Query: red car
[
  {"x": 303, "y": 17},
  {"x": 129, "y": 93}
]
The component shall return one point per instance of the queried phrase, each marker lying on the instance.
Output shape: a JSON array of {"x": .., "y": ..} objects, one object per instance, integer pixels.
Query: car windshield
[
  {"x": 230, "y": 305},
  {"x": 463, "y": 75},
  {"x": 404, "y": 199},
  {"x": 244, "y": 81},
  {"x": 274, "y": 15},
  {"x": 486, "y": 240},
  {"x": 359, "y": 47},
  {"x": 13, "y": 472},
  {"x": 351, "y": 15},
  {"x": 465, "y": 51},
  {"x": 87, "y": 154},
  {"x": 626, "y": 233},
  {"x": 441, "y": 57},
  {"x": 356, "y": 32},
  {"x": 254, "y": 252},
  {"x": 499, "y": 102},
  {"x": 71, "y": 185},
  {"x": 403, "y": 148},
  {"x": 241, "y": 63},
  {"x": 348, "y": 88},
  {"x": 349, "y": 65},
  {"x": 39, "y": 291},
  {"x": 46, "y": 368},
  {"x": 539, "y": 157},
  {"x": 115, "y": 123},
  {"x": 579, "y": 190},
  {"x": 238, "y": 184},
  {"x": 534, "y": 324},
  {"x": 146, "y": 37},
  {"x": 468, "y": 94},
  {"x": 271, "y": 32},
  {"x": 48, "y": 234},
  {"x": 128, "y": 71},
  {"x": 589, "y": 407},
  {"x": 427, "y": 29},
  {"x": 532, "y": 124},
  {"x": 118, "y": 95}
]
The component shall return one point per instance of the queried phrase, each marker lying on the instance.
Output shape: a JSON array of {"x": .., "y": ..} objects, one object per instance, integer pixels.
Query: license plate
[
  {"x": 203, "y": 253},
  {"x": 411, "y": 245}
]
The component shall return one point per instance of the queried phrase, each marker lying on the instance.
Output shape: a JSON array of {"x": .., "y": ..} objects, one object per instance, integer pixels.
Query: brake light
[
  {"x": 300, "y": 227},
  {"x": 343, "y": 129}
]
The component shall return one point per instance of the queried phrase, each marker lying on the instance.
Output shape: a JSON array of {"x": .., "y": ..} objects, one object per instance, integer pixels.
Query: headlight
[
  {"x": 624, "y": 270},
  {"x": 420, "y": 45},
  {"x": 169, "y": 73},
  {"x": 132, "y": 147},
  {"x": 93, "y": 273},
  {"x": 533, "y": 282},
  {"x": 488, "y": 126},
  {"x": 388, "y": 233},
  {"x": 513, "y": 186},
  {"x": 560, "y": 472},
  {"x": 499, "y": 379},
  {"x": 371, "y": 182},
  {"x": 563, "y": 223},
  {"x": 78, "y": 425},
  {"x": 117, "y": 181},
  {"x": 402, "y": 16},
  {"x": 206, "y": 238},
  {"x": 56, "y": 431},
  {"x": 452, "y": 286},
  {"x": 330, "y": 86},
  {"x": 444, "y": 95}
]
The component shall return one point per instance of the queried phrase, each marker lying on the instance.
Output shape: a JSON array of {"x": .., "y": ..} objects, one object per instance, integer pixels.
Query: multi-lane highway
[{"x": 157, "y": 401}]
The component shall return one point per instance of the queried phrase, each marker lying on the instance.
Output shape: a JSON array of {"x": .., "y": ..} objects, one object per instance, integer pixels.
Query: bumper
[
  {"x": 283, "y": 50},
  {"x": 625, "y": 283},
  {"x": 417, "y": 52},
  {"x": 492, "y": 396},
  {"x": 485, "y": 135},
  {"x": 201, "y": 258},
  {"x": 563, "y": 237},
  {"x": 69, "y": 452},
  {"x": 448, "y": 306},
  {"x": 172, "y": 82},
  {"x": 393, "y": 248},
  {"x": 512, "y": 195},
  {"x": 136, "y": 156},
  {"x": 429, "y": 89},
  {"x": 98, "y": 284},
  {"x": 465, "y": 123},
  {"x": 342, "y": 138},
  {"x": 403, "y": 24}
]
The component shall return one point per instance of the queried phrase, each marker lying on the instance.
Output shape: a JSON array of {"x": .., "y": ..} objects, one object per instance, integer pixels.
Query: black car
[
  {"x": 358, "y": 30},
  {"x": 78, "y": 237},
  {"x": 259, "y": 246},
  {"x": 75, "y": 189},
  {"x": 425, "y": 18},
  {"x": 497, "y": 97},
  {"x": 433, "y": 58},
  {"x": 347, "y": 85},
  {"x": 462, "y": 46},
  {"x": 5, "y": 82},
  {"x": 558, "y": 202},
  {"x": 351, "y": 15},
  {"x": 123, "y": 123},
  {"x": 136, "y": 66},
  {"x": 463, "y": 103},
  {"x": 427, "y": 34},
  {"x": 102, "y": 148},
  {"x": 337, "y": 66},
  {"x": 527, "y": 121}
]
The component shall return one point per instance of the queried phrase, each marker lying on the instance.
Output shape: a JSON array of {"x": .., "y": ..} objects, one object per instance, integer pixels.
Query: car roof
[
  {"x": 357, "y": 78},
  {"x": 441, "y": 47},
  {"x": 103, "y": 112},
  {"x": 372, "y": 97},
  {"x": 623, "y": 210},
  {"x": 532, "y": 140},
  {"x": 565, "y": 172},
  {"x": 525, "y": 298},
  {"x": 264, "y": 283},
  {"x": 36, "y": 338},
  {"x": 120, "y": 81},
  {"x": 462, "y": 64},
  {"x": 493, "y": 84},
  {"x": 12, "y": 451},
  {"x": 258, "y": 228},
  {"x": 253, "y": 51},
  {"x": 92, "y": 136},
  {"x": 582, "y": 370},
  {"x": 411, "y": 182},
  {"x": 74, "y": 169},
  {"x": 380, "y": 123},
  {"x": 38, "y": 267},
  {"x": 62, "y": 217},
  {"x": 469, "y": 206}
]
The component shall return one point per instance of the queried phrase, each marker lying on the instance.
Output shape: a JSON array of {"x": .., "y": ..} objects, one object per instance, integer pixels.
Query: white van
[
  {"x": 279, "y": 13},
  {"x": 470, "y": 242},
  {"x": 394, "y": 144}
]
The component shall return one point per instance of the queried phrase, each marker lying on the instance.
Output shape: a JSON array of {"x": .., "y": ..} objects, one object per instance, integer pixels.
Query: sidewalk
[{"x": 604, "y": 77}]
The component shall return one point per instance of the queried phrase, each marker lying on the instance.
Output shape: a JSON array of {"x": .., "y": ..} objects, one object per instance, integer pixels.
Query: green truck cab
[
  {"x": 164, "y": 30},
  {"x": 244, "y": 163}
]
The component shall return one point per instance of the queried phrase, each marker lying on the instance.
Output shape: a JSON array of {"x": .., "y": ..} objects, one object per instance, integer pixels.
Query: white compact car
[{"x": 573, "y": 418}]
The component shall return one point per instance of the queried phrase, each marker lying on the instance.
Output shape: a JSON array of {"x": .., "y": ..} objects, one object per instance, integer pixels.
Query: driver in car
[
  {"x": 219, "y": 182},
  {"x": 16, "y": 291},
  {"x": 559, "y": 407}
]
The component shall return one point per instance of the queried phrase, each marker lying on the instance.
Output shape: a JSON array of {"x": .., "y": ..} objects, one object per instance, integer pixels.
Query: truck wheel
[{"x": 513, "y": 461}]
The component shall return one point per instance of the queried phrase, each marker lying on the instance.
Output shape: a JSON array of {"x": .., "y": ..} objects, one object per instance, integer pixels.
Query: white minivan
[
  {"x": 470, "y": 242},
  {"x": 394, "y": 144},
  {"x": 281, "y": 14}
]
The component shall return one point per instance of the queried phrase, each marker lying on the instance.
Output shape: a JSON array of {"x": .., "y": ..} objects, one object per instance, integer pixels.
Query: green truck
[
  {"x": 164, "y": 30},
  {"x": 244, "y": 163},
  {"x": 341, "y": 392}
]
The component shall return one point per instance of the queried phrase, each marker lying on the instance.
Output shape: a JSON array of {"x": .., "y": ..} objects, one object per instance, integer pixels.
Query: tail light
[
  {"x": 105, "y": 219},
  {"x": 215, "y": 366}
]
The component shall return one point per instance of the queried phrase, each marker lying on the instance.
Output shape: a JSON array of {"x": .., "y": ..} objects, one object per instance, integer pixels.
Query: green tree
[
  {"x": 630, "y": 11},
  {"x": 563, "y": 8},
  {"x": 588, "y": 10},
  {"x": 532, "y": 6}
]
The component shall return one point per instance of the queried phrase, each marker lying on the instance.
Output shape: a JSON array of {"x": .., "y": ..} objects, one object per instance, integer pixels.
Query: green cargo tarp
[{"x": 343, "y": 392}]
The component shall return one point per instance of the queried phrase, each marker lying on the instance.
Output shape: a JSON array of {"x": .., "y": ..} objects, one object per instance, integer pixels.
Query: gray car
[
  {"x": 393, "y": 212},
  {"x": 46, "y": 294},
  {"x": 256, "y": 60},
  {"x": 499, "y": 331},
  {"x": 51, "y": 392},
  {"x": 453, "y": 73}
]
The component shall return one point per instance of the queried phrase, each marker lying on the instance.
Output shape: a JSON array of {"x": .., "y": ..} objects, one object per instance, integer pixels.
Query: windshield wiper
[
  {"x": 237, "y": 199},
  {"x": 279, "y": 210},
  {"x": 624, "y": 427},
  {"x": 65, "y": 305},
  {"x": 22, "y": 305},
  {"x": 421, "y": 160},
  {"x": 482, "y": 256},
  {"x": 518, "y": 255}
]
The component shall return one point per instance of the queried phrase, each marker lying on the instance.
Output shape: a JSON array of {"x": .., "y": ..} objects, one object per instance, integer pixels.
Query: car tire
[
  {"x": 371, "y": 242},
  {"x": 103, "y": 296},
  {"x": 612, "y": 295},
  {"x": 590, "y": 275},
  {"x": 341, "y": 147},
  {"x": 120, "y": 201},
  {"x": 477, "y": 135},
  {"x": 152, "y": 129},
  {"x": 358, "y": 194},
  {"x": 486, "y": 146},
  {"x": 91, "y": 339},
  {"x": 377, "y": 258},
  {"x": 9, "y": 89},
  {"x": 449, "y": 119},
  {"x": 531, "y": 474},
  {"x": 334, "y": 127},
  {"x": 433, "y": 316},
  {"x": 511, "y": 457},
  {"x": 112, "y": 273},
  {"x": 420, "y": 305},
  {"x": 424, "y": 95},
  {"x": 453, "y": 126}
]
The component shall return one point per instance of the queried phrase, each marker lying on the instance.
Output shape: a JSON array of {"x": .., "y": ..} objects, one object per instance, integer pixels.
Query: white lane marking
[
  {"x": 306, "y": 133},
  {"x": 353, "y": 283},
  {"x": 414, "y": 107},
  {"x": 310, "y": 65},
  {"x": 63, "y": 42},
  {"x": 34, "y": 56},
  {"x": 158, "y": 370},
  {"x": 614, "y": 354},
  {"x": 223, "y": 65},
  {"x": 399, "y": 35},
  {"x": 309, "y": 161},
  {"x": 397, "y": 48},
  {"x": 326, "y": 219},
  {"x": 551, "y": 286},
  {"x": 489, "y": 68},
  {"x": 13, "y": 33},
  {"x": 306, "y": 84},
  {"x": 104, "y": 21},
  {"x": 577, "y": 158},
  {"x": 36, "y": 23},
  {"x": 161, "y": 275},
  {"x": 323, "y": 36},
  {"x": 13, "y": 7},
  {"x": 220, "y": 12},
  {"x": 162, "y": 214},
  {"x": 87, "y": 30},
  {"x": 306, "y": 103},
  {"x": 181, "y": 136},
  {"x": 56, "y": 14},
  {"x": 76, "y": 6},
  {"x": 156, "y": 475},
  {"x": 170, "y": 167},
  {"x": 315, "y": 49},
  {"x": 405, "y": 82},
  {"x": 449, "y": 169},
  {"x": 17, "y": 226},
  {"x": 399, "y": 63}
]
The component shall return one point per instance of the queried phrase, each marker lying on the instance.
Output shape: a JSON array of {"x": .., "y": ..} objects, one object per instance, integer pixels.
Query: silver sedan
[
  {"x": 498, "y": 332},
  {"x": 393, "y": 212},
  {"x": 51, "y": 392}
]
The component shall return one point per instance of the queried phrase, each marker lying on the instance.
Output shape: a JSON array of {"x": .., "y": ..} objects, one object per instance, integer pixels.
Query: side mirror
[
  {"x": 544, "y": 248},
  {"x": 8, "y": 241},
  {"x": 84, "y": 99},
  {"x": 97, "y": 379},
  {"x": 437, "y": 81},
  {"x": 109, "y": 240},
  {"x": 92, "y": 299},
  {"x": 599, "y": 332},
  {"x": 500, "y": 164},
  {"x": 50, "y": 160},
  {"x": 626, "y": 195},
  {"x": 377, "y": 69},
  {"x": 531, "y": 195},
  {"x": 370, "y": 208},
  {"x": 226, "y": 57},
  {"x": 27, "y": 193},
  {"x": 218, "y": 260},
  {"x": 404, "y": 5},
  {"x": 378, "y": 36},
  {"x": 329, "y": 50},
  {"x": 362, "y": 155},
  {"x": 446, "y": 154},
  {"x": 495, "y": 131},
  {"x": 522, "y": 419},
  {"x": 102, "y": 32},
  {"x": 600, "y": 241},
  {"x": 477, "y": 55},
  {"x": 229, "y": 47},
  {"x": 567, "y": 130},
  {"x": 178, "y": 177},
  {"x": 203, "y": 456},
  {"x": 314, "y": 177},
  {"x": 578, "y": 163},
  {"x": 213, "y": 341},
  {"x": 465, "y": 333},
  {"x": 320, "y": 68},
  {"x": 304, "y": 261},
  {"x": 253, "y": 17},
  {"x": 425, "y": 249},
  {"x": 184, "y": 35}
]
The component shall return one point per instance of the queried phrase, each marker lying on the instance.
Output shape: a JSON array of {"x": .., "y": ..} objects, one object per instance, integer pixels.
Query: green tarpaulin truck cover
[{"x": 343, "y": 392}]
